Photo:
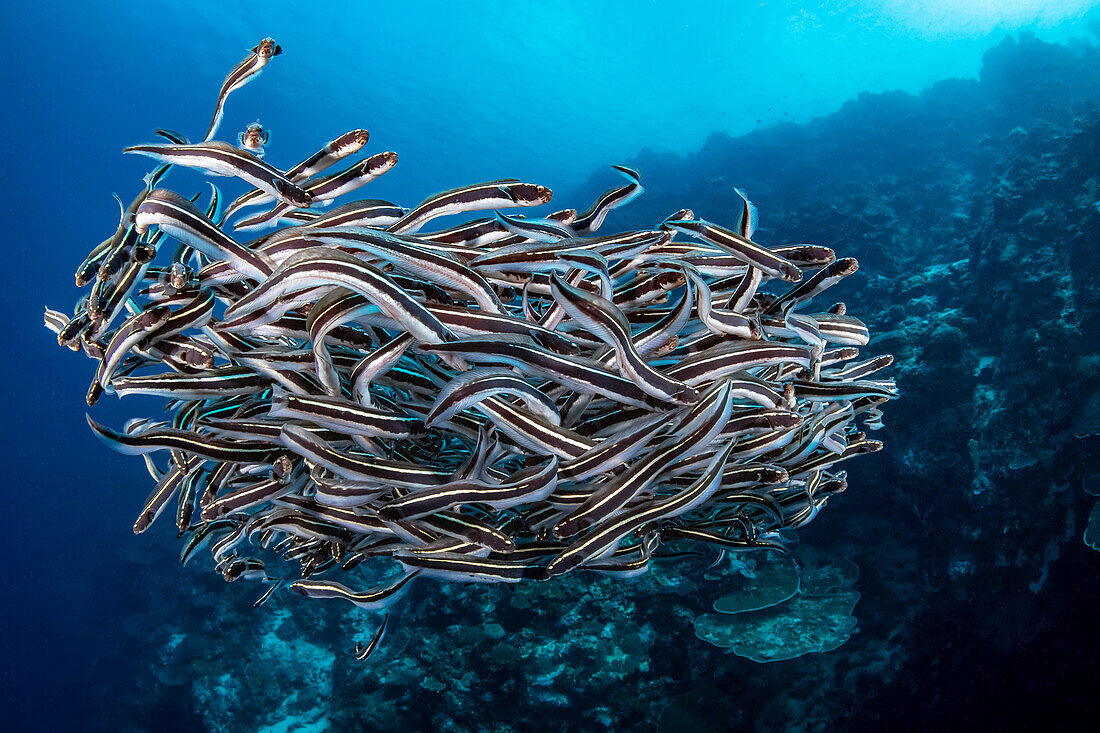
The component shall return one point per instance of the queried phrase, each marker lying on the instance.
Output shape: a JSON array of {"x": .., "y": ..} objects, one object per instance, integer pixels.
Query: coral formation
[
  {"x": 816, "y": 617},
  {"x": 773, "y": 580}
]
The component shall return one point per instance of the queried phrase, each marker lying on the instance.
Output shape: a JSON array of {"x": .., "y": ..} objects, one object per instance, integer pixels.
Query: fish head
[
  {"x": 378, "y": 164},
  {"x": 671, "y": 279},
  {"x": 681, "y": 215},
  {"x": 349, "y": 143},
  {"x": 267, "y": 48},
  {"x": 292, "y": 194},
  {"x": 529, "y": 194},
  {"x": 565, "y": 216},
  {"x": 254, "y": 137},
  {"x": 791, "y": 272},
  {"x": 143, "y": 253}
]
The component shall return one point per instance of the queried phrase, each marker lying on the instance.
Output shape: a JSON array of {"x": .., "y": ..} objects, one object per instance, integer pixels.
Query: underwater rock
[
  {"x": 805, "y": 625},
  {"x": 708, "y": 708},
  {"x": 837, "y": 574},
  {"x": 1086, "y": 420}
]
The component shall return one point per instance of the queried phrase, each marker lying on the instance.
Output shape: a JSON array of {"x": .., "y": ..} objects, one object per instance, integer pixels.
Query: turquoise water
[{"x": 476, "y": 90}]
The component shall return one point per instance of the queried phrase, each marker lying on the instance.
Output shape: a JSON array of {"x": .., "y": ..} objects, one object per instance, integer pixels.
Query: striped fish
[
  {"x": 525, "y": 486},
  {"x": 184, "y": 440},
  {"x": 313, "y": 448},
  {"x": 739, "y": 246},
  {"x": 475, "y": 385},
  {"x": 592, "y": 219},
  {"x": 373, "y": 599},
  {"x": 333, "y": 152},
  {"x": 418, "y": 261},
  {"x": 135, "y": 329},
  {"x": 604, "y": 319},
  {"x": 323, "y": 190},
  {"x": 501, "y": 194},
  {"x": 253, "y": 139},
  {"x": 321, "y": 266},
  {"x": 245, "y": 71},
  {"x": 181, "y": 219},
  {"x": 223, "y": 159},
  {"x": 363, "y": 652},
  {"x": 612, "y": 496},
  {"x": 603, "y": 539}
]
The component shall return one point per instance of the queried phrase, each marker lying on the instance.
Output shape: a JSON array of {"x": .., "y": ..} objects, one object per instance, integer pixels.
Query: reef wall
[{"x": 974, "y": 210}]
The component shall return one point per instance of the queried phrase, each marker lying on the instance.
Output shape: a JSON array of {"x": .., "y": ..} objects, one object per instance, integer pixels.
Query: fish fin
[
  {"x": 114, "y": 439},
  {"x": 501, "y": 216},
  {"x": 121, "y": 208},
  {"x": 631, "y": 174},
  {"x": 215, "y": 200},
  {"x": 264, "y": 219},
  {"x": 291, "y": 194},
  {"x": 153, "y": 177},
  {"x": 172, "y": 136},
  {"x": 748, "y": 223},
  {"x": 717, "y": 560}
]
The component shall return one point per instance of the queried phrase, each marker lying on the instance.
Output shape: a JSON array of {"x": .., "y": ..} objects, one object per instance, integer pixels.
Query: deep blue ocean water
[{"x": 553, "y": 92}]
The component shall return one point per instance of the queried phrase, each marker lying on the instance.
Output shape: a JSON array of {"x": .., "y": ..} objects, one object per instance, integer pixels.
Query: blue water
[{"x": 553, "y": 92}]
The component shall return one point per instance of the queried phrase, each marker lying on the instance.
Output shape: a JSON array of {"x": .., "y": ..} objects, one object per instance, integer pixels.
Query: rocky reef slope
[{"x": 974, "y": 209}]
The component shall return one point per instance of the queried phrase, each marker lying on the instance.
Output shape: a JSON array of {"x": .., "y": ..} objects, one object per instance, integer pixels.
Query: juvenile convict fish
[
  {"x": 223, "y": 159},
  {"x": 247, "y": 70},
  {"x": 254, "y": 138},
  {"x": 591, "y": 220},
  {"x": 363, "y": 651},
  {"x": 500, "y": 194},
  {"x": 336, "y": 150},
  {"x": 323, "y": 190}
]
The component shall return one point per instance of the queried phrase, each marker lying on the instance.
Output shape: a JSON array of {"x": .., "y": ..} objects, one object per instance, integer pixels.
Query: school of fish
[{"x": 507, "y": 399}]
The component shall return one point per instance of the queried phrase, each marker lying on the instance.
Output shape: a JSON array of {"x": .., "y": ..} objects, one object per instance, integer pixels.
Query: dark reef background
[{"x": 974, "y": 210}]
